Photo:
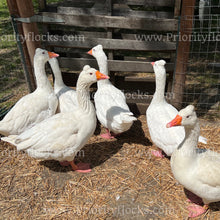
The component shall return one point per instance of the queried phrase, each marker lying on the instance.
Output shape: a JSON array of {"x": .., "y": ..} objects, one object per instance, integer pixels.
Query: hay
[{"x": 126, "y": 182}]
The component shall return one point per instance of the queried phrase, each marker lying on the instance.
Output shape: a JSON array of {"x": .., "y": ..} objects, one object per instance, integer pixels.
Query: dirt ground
[{"x": 126, "y": 181}]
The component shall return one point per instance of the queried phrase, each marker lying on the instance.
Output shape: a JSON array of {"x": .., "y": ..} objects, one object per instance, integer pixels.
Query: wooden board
[
  {"x": 81, "y": 11},
  {"x": 98, "y": 21},
  {"x": 158, "y": 3},
  {"x": 77, "y": 64},
  {"x": 151, "y": 3},
  {"x": 139, "y": 79},
  {"x": 117, "y": 11},
  {"x": 112, "y": 44},
  {"x": 142, "y": 14}
]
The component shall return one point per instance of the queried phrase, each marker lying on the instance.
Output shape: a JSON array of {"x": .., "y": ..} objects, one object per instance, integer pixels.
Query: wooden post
[
  {"x": 29, "y": 75},
  {"x": 183, "y": 50},
  {"x": 30, "y": 30}
]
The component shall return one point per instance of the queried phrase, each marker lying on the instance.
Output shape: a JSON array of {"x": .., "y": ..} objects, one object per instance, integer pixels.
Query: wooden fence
[{"x": 133, "y": 34}]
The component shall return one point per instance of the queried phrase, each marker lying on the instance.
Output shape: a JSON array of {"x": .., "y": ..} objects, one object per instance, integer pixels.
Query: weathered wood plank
[
  {"x": 139, "y": 59},
  {"x": 146, "y": 37},
  {"x": 113, "y": 65},
  {"x": 115, "y": 12},
  {"x": 77, "y": 3},
  {"x": 76, "y": 64},
  {"x": 157, "y": 3},
  {"x": 142, "y": 14},
  {"x": 99, "y": 21},
  {"x": 88, "y": 34},
  {"x": 139, "y": 79},
  {"x": 67, "y": 2},
  {"x": 111, "y": 44},
  {"x": 81, "y": 11}
]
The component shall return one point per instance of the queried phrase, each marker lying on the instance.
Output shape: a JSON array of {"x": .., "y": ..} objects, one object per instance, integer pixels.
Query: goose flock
[{"x": 56, "y": 123}]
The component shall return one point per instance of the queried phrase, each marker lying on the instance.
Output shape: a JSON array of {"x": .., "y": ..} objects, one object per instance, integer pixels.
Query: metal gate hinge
[{"x": 40, "y": 19}]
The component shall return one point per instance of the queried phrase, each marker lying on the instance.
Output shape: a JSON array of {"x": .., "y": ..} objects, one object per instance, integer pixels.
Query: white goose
[
  {"x": 36, "y": 106},
  {"x": 111, "y": 108},
  {"x": 198, "y": 170},
  {"x": 66, "y": 96},
  {"x": 159, "y": 113},
  {"x": 61, "y": 136}
]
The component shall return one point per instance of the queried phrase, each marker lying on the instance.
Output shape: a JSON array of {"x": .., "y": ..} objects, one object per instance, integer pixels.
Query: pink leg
[
  {"x": 157, "y": 153},
  {"x": 83, "y": 168},
  {"x": 80, "y": 167},
  {"x": 107, "y": 135},
  {"x": 196, "y": 207},
  {"x": 196, "y": 210}
]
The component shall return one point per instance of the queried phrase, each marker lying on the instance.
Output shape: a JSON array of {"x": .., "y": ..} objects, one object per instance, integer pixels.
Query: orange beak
[
  {"x": 90, "y": 52},
  {"x": 175, "y": 122},
  {"x": 152, "y": 63},
  {"x": 52, "y": 54},
  {"x": 101, "y": 75}
]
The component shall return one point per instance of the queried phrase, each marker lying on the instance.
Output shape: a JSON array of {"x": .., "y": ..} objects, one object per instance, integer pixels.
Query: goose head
[
  {"x": 186, "y": 117},
  {"x": 89, "y": 75},
  {"x": 159, "y": 67},
  {"x": 97, "y": 52},
  {"x": 42, "y": 55}
]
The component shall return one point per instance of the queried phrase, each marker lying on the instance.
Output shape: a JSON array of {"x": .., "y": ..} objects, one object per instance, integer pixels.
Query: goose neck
[
  {"x": 103, "y": 68},
  {"x": 190, "y": 141},
  {"x": 58, "y": 82},
  {"x": 83, "y": 97},
  {"x": 103, "y": 64},
  {"x": 40, "y": 74},
  {"x": 160, "y": 88}
]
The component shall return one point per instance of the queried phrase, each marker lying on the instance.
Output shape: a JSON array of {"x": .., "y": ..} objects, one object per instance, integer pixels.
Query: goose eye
[
  {"x": 187, "y": 116},
  {"x": 43, "y": 52},
  {"x": 90, "y": 73}
]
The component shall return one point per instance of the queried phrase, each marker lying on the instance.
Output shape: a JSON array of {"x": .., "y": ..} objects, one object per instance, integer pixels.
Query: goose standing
[
  {"x": 111, "y": 108},
  {"x": 159, "y": 113},
  {"x": 61, "y": 136},
  {"x": 198, "y": 170},
  {"x": 36, "y": 106},
  {"x": 67, "y": 97}
]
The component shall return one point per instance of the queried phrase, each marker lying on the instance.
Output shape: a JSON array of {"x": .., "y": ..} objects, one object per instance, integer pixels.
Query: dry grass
[{"x": 126, "y": 182}]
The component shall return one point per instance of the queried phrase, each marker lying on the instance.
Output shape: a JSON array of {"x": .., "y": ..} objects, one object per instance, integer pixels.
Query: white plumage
[
  {"x": 111, "y": 108},
  {"x": 159, "y": 113},
  {"x": 67, "y": 97},
  {"x": 198, "y": 170},
  {"x": 61, "y": 136},
  {"x": 36, "y": 106}
]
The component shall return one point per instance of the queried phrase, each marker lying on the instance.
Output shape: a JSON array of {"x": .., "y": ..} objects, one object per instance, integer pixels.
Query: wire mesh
[
  {"x": 203, "y": 73},
  {"x": 11, "y": 71}
]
